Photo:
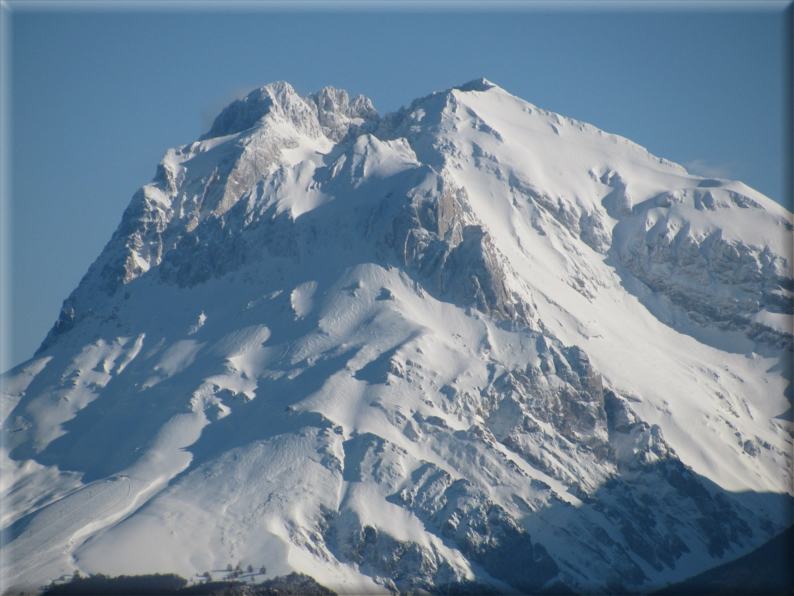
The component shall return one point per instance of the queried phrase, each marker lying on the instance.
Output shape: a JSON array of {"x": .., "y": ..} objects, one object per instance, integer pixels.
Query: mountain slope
[
  {"x": 468, "y": 341},
  {"x": 766, "y": 570}
]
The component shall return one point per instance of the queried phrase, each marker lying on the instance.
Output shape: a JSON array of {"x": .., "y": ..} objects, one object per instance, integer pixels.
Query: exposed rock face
[
  {"x": 634, "y": 443},
  {"x": 398, "y": 565},
  {"x": 716, "y": 281},
  {"x": 563, "y": 390},
  {"x": 462, "y": 513},
  {"x": 456, "y": 511},
  {"x": 436, "y": 235},
  {"x": 337, "y": 113},
  {"x": 277, "y": 99},
  {"x": 586, "y": 224}
]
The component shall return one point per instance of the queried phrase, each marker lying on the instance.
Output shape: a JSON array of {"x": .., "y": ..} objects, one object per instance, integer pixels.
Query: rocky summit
[{"x": 468, "y": 346}]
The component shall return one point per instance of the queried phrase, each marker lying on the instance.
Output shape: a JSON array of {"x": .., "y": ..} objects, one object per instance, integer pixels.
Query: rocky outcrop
[
  {"x": 551, "y": 412},
  {"x": 436, "y": 236},
  {"x": 717, "y": 281},
  {"x": 399, "y": 565},
  {"x": 276, "y": 99},
  {"x": 338, "y": 114},
  {"x": 588, "y": 225},
  {"x": 483, "y": 531}
]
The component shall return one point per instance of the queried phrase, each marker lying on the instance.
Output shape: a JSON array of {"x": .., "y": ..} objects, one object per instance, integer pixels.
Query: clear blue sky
[{"x": 98, "y": 94}]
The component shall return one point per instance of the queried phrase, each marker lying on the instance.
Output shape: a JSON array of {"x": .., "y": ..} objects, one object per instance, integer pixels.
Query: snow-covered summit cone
[{"x": 470, "y": 342}]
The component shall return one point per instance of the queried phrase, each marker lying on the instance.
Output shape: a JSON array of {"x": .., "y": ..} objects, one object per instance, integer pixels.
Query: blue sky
[{"x": 99, "y": 91}]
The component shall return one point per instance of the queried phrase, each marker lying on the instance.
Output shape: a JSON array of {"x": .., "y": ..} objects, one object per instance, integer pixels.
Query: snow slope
[{"x": 470, "y": 341}]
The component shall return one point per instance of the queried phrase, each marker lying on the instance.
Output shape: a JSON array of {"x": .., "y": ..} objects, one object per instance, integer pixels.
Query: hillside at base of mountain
[
  {"x": 172, "y": 585},
  {"x": 469, "y": 343},
  {"x": 767, "y": 571}
]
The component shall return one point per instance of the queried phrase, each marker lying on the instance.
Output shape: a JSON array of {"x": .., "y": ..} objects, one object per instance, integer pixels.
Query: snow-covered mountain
[{"x": 470, "y": 341}]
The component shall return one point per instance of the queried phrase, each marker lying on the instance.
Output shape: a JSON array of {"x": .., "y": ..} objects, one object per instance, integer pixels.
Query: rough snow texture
[{"x": 470, "y": 341}]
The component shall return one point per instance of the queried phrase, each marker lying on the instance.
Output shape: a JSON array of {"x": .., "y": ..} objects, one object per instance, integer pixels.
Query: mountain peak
[
  {"x": 331, "y": 108},
  {"x": 242, "y": 114},
  {"x": 336, "y": 111},
  {"x": 476, "y": 338},
  {"x": 333, "y": 100},
  {"x": 481, "y": 84}
]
